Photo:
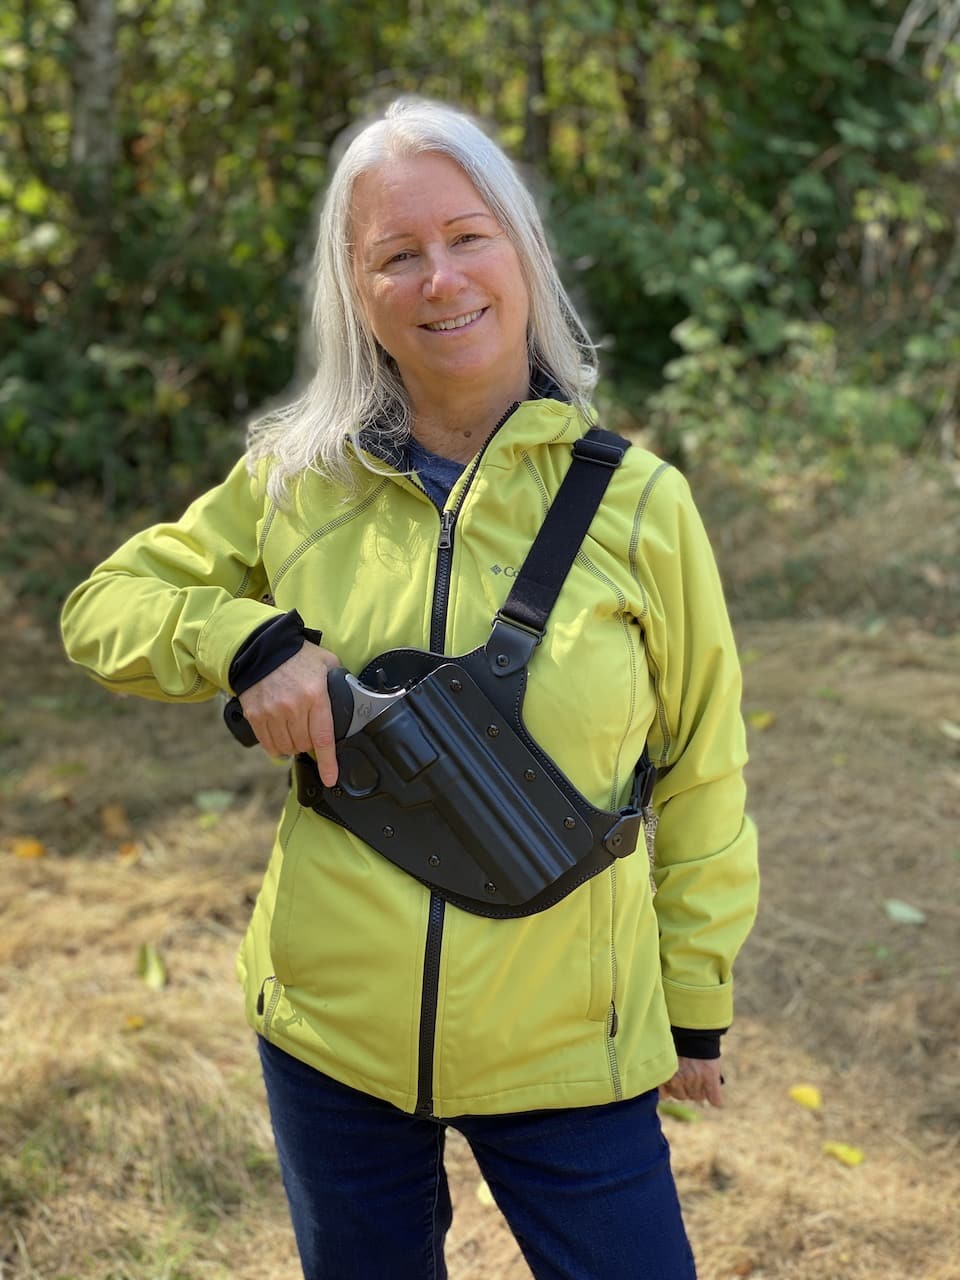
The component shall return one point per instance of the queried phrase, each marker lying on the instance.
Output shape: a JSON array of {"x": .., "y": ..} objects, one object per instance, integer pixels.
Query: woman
[{"x": 391, "y": 506}]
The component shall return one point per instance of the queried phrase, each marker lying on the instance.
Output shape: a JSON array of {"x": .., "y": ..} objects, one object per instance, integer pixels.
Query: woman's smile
[{"x": 458, "y": 323}]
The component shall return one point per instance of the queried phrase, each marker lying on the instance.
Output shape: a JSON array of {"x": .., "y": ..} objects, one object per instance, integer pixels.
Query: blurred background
[{"x": 755, "y": 203}]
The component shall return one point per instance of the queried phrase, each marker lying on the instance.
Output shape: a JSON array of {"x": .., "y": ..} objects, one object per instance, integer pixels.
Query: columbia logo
[{"x": 508, "y": 569}]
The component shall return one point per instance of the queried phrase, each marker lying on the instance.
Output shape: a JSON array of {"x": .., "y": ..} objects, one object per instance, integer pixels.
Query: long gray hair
[{"x": 355, "y": 383}]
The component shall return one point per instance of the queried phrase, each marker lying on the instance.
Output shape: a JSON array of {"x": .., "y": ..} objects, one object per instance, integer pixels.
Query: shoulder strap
[{"x": 519, "y": 626}]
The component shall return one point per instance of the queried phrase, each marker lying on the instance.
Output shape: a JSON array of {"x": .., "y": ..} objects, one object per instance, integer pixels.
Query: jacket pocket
[{"x": 602, "y": 953}]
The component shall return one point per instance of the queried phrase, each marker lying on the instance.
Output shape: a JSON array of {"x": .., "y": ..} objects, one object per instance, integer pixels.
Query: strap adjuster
[
  {"x": 598, "y": 451},
  {"x": 510, "y": 645}
]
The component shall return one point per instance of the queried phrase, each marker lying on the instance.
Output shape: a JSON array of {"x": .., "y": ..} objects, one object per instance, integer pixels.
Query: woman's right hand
[{"x": 289, "y": 709}]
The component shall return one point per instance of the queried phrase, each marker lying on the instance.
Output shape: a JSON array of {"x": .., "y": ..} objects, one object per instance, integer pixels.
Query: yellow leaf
[
  {"x": 133, "y": 1022},
  {"x": 484, "y": 1194},
  {"x": 807, "y": 1095},
  {"x": 760, "y": 720},
  {"x": 851, "y": 1156},
  {"x": 151, "y": 967},
  {"x": 27, "y": 847},
  {"x": 114, "y": 822},
  {"x": 679, "y": 1110},
  {"x": 128, "y": 853}
]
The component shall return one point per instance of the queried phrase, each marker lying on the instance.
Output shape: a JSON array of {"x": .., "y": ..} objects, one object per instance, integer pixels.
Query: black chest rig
[{"x": 447, "y": 783}]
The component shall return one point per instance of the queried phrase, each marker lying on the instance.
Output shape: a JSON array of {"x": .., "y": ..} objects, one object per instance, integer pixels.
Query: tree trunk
[
  {"x": 536, "y": 131},
  {"x": 93, "y": 138}
]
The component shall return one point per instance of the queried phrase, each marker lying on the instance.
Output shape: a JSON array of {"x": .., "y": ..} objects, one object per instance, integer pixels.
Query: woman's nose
[{"x": 444, "y": 279}]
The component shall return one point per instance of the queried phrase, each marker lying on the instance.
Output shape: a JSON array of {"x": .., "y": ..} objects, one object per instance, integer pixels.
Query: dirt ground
[{"x": 134, "y": 1143}]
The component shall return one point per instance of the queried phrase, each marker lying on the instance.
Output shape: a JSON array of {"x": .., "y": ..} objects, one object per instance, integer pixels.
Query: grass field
[{"x": 134, "y": 1143}]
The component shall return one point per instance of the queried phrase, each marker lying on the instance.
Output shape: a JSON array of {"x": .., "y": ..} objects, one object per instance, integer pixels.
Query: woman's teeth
[{"x": 460, "y": 321}]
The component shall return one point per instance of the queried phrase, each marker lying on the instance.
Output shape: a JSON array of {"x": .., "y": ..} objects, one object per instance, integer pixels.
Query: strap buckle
[
  {"x": 510, "y": 645},
  {"x": 598, "y": 451}
]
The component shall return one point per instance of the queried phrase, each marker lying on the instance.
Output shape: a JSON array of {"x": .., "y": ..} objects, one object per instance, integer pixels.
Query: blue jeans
[{"x": 587, "y": 1191}]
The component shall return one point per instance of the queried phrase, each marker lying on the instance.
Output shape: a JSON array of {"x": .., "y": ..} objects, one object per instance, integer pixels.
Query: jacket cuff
[
  {"x": 696, "y": 1044},
  {"x": 700, "y": 1008},
  {"x": 272, "y": 644}
]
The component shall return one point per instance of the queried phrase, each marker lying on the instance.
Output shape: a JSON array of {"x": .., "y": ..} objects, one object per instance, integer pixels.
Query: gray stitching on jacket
[
  {"x": 317, "y": 534},
  {"x": 584, "y": 560},
  {"x": 634, "y": 544}
]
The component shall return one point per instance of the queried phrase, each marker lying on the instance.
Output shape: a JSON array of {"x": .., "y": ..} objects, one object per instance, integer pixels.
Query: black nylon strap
[{"x": 535, "y": 589}]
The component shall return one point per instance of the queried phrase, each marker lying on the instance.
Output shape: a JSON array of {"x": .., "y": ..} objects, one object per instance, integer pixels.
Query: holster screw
[
  {"x": 569, "y": 823},
  {"x": 493, "y": 731},
  {"x": 388, "y": 831},
  {"x": 338, "y": 792},
  {"x": 490, "y": 887},
  {"x": 455, "y": 686},
  {"x": 529, "y": 774},
  {"x": 502, "y": 660},
  {"x": 434, "y": 860}
]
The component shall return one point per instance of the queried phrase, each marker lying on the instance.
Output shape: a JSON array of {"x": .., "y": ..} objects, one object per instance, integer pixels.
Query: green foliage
[{"x": 754, "y": 204}]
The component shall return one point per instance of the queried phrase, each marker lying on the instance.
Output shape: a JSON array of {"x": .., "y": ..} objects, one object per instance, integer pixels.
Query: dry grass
[{"x": 141, "y": 1150}]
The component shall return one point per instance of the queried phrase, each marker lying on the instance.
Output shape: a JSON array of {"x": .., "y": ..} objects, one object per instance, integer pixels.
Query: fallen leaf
[
  {"x": 207, "y": 821},
  {"x": 679, "y": 1110},
  {"x": 128, "y": 853},
  {"x": 760, "y": 720},
  {"x": 901, "y": 912},
  {"x": 134, "y": 1022},
  {"x": 69, "y": 769},
  {"x": 214, "y": 801},
  {"x": 114, "y": 822},
  {"x": 850, "y": 1156},
  {"x": 27, "y": 847},
  {"x": 807, "y": 1095},
  {"x": 151, "y": 968},
  {"x": 933, "y": 576},
  {"x": 950, "y": 730},
  {"x": 484, "y": 1194}
]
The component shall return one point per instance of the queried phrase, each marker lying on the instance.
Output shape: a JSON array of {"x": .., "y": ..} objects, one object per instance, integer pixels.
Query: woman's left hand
[{"x": 696, "y": 1080}]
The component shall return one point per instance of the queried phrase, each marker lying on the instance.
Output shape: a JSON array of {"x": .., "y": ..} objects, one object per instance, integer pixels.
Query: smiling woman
[
  {"x": 443, "y": 291},
  {"x": 441, "y": 469}
]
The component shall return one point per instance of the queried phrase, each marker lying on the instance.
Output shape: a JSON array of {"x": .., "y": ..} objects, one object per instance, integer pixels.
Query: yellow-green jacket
[{"x": 347, "y": 963}]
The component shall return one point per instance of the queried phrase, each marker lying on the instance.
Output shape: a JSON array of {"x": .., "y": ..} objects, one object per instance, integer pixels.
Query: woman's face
[{"x": 438, "y": 278}]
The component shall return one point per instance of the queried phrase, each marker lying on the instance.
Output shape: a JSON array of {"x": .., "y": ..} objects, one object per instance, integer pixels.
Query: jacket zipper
[
  {"x": 275, "y": 994},
  {"x": 430, "y": 991}
]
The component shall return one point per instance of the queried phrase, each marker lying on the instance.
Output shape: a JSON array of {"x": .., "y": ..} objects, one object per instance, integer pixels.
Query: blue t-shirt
[{"x": 437, "y": 475}]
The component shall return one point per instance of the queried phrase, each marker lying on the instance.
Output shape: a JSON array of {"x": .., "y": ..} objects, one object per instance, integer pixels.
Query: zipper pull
[
  {"x": 614, "y": 1021},
  {"x": 260, "y": 1000},
  {"x": 446, "y": 531}
]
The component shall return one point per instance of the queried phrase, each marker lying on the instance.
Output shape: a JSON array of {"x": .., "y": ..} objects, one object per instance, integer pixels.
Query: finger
[
  {"x": 320, "y": 728},
  {"x": 713, "y": 1090},
  {"x": 283, "y": 740},
  {"x": 675, "y": 1088},
  {"x": 264, "y": 736}
]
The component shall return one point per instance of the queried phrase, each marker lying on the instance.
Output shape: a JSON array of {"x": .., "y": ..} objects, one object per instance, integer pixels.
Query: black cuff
[
  {"x": 272, "y": 644},
  {"x": 696, "y": 1044}
]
